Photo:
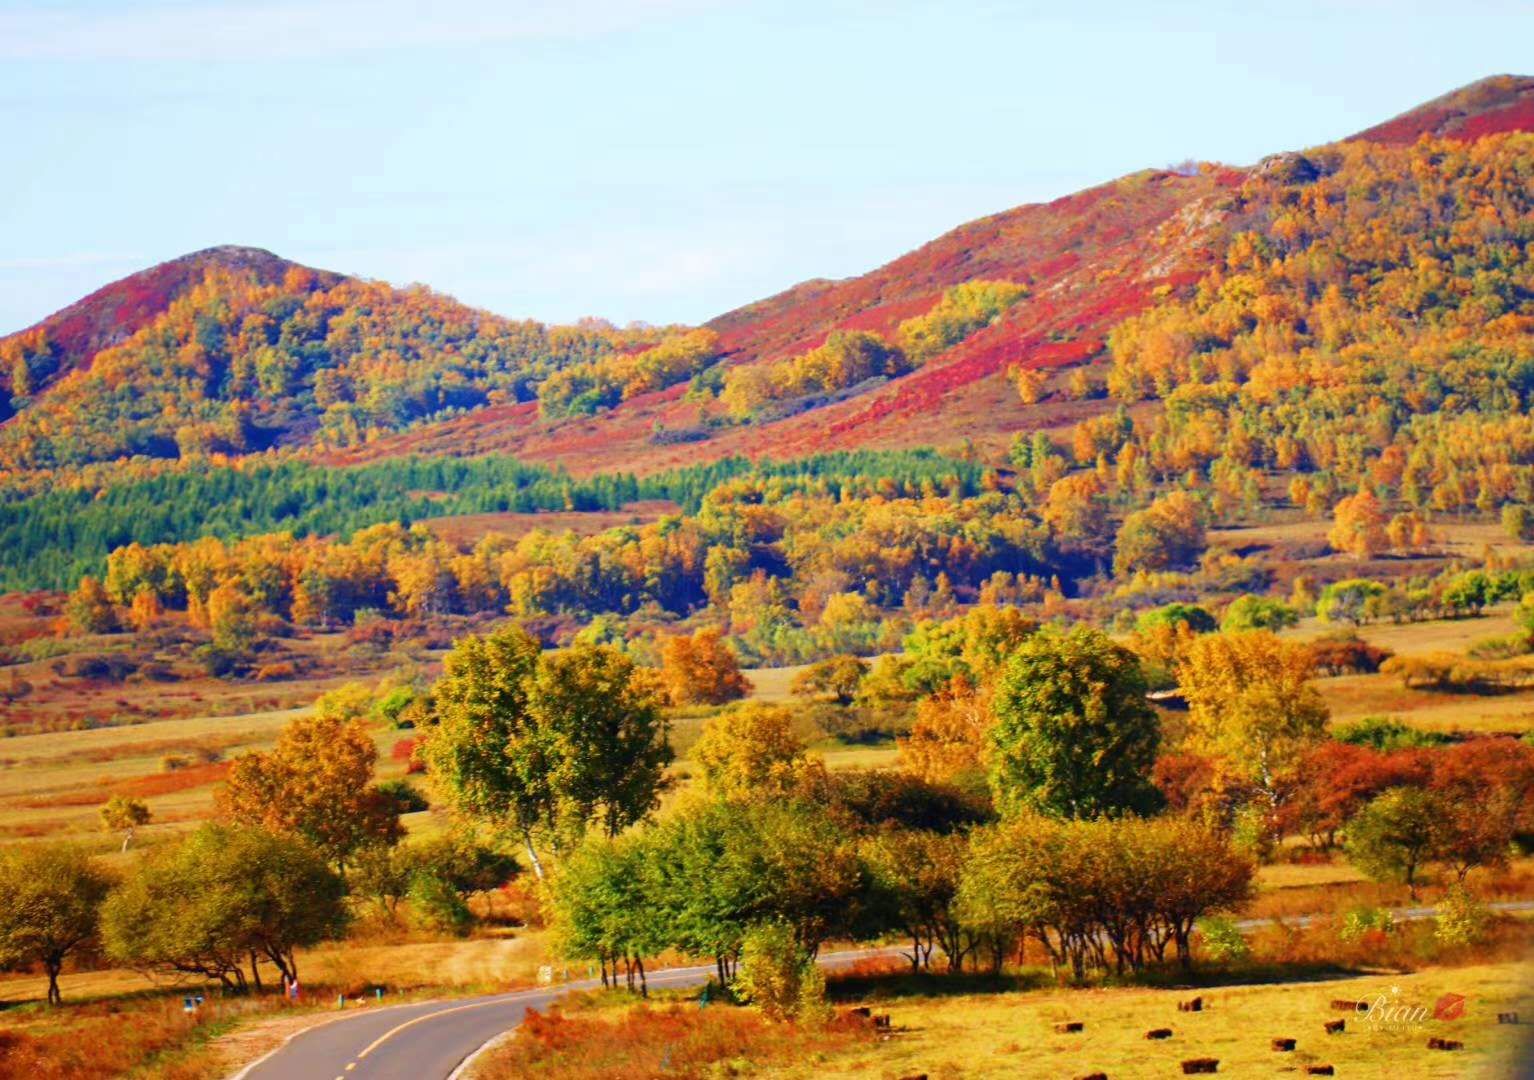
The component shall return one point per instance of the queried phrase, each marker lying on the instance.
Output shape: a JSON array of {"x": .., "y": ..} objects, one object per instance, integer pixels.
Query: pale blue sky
[{"x": 654, "y": 159}]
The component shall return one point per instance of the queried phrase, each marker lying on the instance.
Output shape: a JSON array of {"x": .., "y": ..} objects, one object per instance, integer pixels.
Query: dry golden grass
[{"x": 984, "y": 1036}]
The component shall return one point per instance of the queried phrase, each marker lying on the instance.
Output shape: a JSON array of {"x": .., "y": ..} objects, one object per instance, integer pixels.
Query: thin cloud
[{"x": 288, "y": 29}]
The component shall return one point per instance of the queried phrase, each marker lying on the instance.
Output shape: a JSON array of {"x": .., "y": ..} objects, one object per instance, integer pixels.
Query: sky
[{"x": 663, "y": 160}]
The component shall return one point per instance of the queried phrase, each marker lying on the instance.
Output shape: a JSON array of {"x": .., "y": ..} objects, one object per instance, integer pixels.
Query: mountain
[
  {"x": 252, "y": 352},
  {"x": 114, "y": 312}
]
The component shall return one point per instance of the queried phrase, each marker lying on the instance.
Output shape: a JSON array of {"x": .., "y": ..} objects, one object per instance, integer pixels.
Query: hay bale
[
  {"x": 1343, "y": 1005},
  {"x": 1445, "y": 1044},
  {"x": 1320, "y": 1070},
  {"x": 1195, "y": 1005},
  {"x": 1283, "y": 1046},
  {"x": 1335, "y": 1027},
  {"x": 1093, "y": 1076},
  {"x": 1159, "y": 1033},
  {"x": 1507, "y": 1018},
  {"x": 1067, "y": 1026},
  {"x": 1200, "y": 1065}
]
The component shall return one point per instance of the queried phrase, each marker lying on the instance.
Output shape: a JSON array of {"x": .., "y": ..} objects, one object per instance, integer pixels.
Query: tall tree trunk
[
  {"x": 532, "y": 854},
  {"x": 53, "y": 967}
]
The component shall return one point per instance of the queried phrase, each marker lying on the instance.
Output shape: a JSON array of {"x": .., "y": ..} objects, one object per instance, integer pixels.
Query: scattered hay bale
[
  {"x": 1335, "y": 1027},
  {"x": 882, "y": 1022},
  {"x": 1159, "y": 1033},
  {"x": 1507, "y": 1018},
  {"x": 1283, "y": 1046},
  {"x": 1200, "y": 1065},
  {"x": 1445, "y": 1044},
  {"x": 1067, "y": 1026},
  {"x": 1195, "y": 1005},
  {"x": 1093, "y": 1076},
  {"x": 1343, "y": 1005},
  {"x": 1320, "y": 1070},
  {"x": 861, "y": 1010},
  {"x": 915, "y": 1076}
]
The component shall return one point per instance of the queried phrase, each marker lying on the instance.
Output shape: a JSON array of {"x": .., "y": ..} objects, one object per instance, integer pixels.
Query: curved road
[{"x": 429, "y": 1040}]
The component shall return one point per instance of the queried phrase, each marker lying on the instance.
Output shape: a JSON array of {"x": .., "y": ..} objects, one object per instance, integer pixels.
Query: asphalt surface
[{"x": 429, "y": 1040}]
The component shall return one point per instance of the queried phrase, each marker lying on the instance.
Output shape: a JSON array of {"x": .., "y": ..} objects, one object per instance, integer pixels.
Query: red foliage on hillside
[{"x": 1499, "y": 103}]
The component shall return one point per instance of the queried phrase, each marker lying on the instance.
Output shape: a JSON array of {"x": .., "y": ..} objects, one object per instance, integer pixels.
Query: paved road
[{"x": 427, "y": 1041}]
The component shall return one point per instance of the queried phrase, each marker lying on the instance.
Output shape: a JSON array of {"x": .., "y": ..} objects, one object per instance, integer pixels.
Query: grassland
[{"x": 985, "y": 1036}]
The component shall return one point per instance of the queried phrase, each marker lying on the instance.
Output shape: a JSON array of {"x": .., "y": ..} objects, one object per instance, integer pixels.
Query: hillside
[
  {"x": 240, "y": 351},
  {"x": 1494, "y": 104},
  {"x": 70, "y": 338}
]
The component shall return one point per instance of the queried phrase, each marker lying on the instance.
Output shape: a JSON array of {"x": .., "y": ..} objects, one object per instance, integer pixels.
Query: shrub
[
  {"x": 1222, "y": 941},
  {"x": 1346, "y": 654},
  {"x": 1365, "y": 920},
  {"x": 1252, "y": 832},
  {"x": 1384, "y": 734},
  {"x": 778, "y": 977},
  {"x": 1461, "y": 919}
]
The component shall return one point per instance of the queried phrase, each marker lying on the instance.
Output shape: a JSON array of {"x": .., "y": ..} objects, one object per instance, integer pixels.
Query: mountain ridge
[{"x": 1087, "y": 260}]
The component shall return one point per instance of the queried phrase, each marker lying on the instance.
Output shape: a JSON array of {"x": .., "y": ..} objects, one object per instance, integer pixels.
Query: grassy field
[{"x": 985, "y": 1036}]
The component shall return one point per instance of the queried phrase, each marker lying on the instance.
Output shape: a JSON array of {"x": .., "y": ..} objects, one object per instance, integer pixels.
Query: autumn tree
[
  {"x": 316, "y": 783},
  {"x": 1030, "y": 384},
  {"x": 1251, "y": 705},
  {"x": 1167, "y": 535},
  {"x": 1358, "y": 526},
  {"x": 701, "y": 669},
  {"x": 1073, "y": 734},
  {"x": 89, "y": 609},
  {"x": 948, "y": 737},
  {"x": 1076, "y": 508},
  {"x": 749, "y": 751},
  {"x": 50, "y": 896},
  {"x": 838, "y": 678},
  {"x": 123, "y": 814}
]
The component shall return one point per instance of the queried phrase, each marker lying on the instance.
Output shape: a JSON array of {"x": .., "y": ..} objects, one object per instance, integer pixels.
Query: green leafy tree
[
  {"x": 494, "y": 762},
  {"x": 1073, "y": 734},
  {"x": 50, "y": 899},
  {"x": 607, "y": 730},
  {"x": 1251, "y": 612},
  {"x": 1397, "y": 834},
  {"x": 1348, "y": 601},
  {"x": 914, "y": 884},
  {"x": 221, "y": 898}
]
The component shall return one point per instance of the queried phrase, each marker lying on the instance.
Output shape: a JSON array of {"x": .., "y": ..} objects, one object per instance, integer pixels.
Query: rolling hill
[{"x": 233, "y": 350}]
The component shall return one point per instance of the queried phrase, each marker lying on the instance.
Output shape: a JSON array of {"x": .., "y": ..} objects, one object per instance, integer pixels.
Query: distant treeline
[{"x": 50, "y": 540}]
